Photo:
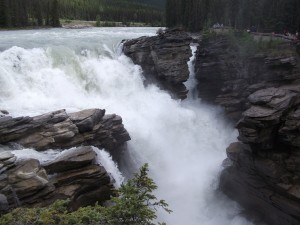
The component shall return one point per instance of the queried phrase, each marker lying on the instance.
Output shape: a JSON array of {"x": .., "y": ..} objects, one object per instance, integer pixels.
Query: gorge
[
  {"x": 260, "y": 91},
  {"x": 183, "y": 141}
]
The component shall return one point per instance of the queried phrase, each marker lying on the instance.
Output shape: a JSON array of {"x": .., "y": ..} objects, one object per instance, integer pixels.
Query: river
[{"x": 184, "y": 142}]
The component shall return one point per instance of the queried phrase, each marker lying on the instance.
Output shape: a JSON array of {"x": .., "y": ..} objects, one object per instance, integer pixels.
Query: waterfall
[
  {"x": 182, "y": 141},
  {"x": 191, "y": 83}
]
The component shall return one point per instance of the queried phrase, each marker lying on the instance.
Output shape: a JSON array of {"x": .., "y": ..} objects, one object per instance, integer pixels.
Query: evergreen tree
[
  {"x": 98, "y": 22},
  {"x": 266, "y": 15},
  {"x": 55, "y": 14},
  {"x": 2, "y": 13},
  {"x": 38, "y": 12}
]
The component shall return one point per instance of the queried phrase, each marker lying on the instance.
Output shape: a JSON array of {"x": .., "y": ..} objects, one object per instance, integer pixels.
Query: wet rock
[
  {"x": 74, "y": 159},
  {"x": 6, "y": 155},
  {"x": 73, "y": 175},
  {"x": 3, "y": 203},
  {"x": 264, "y": 175},
  {"x": 289, "y": 132},
  {"x": 3, "y": 113},
  {"x": 262, "y": 94},
  {"x": 7, "y": 160},
  {"x": 163, "y": 59},
  {"x": 260, "y": 125},
  {"x": 281, "y": 61},
  {"x": 228, "y": 79},
  {"x": 27, "y": 177},
  {"x": 62, "y": 130}
]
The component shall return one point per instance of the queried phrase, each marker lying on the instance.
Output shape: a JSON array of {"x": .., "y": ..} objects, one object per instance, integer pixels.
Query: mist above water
[{"x": 183, "y": 141}]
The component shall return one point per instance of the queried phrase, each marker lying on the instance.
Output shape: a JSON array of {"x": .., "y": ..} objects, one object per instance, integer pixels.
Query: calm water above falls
[{"x": 183, "y": 142}]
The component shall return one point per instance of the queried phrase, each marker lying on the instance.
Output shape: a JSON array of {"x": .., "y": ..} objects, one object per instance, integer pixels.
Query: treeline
[
  {"x": 111, "y": 10},
  {"x": 22, "y": 13},
  {"x": 265, "y": 15}
]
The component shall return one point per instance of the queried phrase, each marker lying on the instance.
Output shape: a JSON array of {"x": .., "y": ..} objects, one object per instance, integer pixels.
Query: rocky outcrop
[
  {"x": 228, "y": 75},
  {"x": 3, "y": 113},
  {"x": 261, "y": 92},
  {"x": 62, "y": 130},
  {"x": 163, "y": 58},
  {"x": 73, "y": 175},
  {"x": 264, "y": 174}
]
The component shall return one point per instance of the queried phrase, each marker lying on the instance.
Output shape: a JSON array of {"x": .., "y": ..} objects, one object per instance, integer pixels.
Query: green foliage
[
  {"x": 135, "y": 205},
  {"x": 55, "y": 14},
  {"x": 247, "y": 45},
  {"x": 208, "y": 34},
  {"x": 17, "y": 13},
  {"x": 98, "y": 23},
  {"x": 243, "y": 43},
  {"x": 51, "y": 215},
  {"x": 266, "y": 15}
]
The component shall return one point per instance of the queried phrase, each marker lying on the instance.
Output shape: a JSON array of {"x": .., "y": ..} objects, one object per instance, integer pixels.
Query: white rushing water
[
  {"x": 183, "y": 142},
  {"x": 103, "y": 158}
]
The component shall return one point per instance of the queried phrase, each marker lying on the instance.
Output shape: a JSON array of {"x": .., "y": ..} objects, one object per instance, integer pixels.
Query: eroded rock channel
[{"x": 261, "y": 94}]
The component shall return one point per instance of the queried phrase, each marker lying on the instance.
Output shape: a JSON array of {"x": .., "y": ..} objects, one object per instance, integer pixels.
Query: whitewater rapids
[{"x": 183, "y": 142}]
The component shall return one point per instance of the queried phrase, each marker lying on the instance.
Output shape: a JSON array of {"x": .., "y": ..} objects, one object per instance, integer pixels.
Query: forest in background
[
  {"x": 23, "y": 13},
  {"x": 265, "y": 15}
]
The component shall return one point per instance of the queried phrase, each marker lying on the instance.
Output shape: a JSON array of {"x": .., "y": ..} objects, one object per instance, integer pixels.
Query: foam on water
[
  {"x": 183, "y": 142},
  {"x": 105, "y": 159}
]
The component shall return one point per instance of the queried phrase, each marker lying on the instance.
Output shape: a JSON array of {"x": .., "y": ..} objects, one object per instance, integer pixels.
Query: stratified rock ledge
[
  {"x": 163, "y": 58},
  {"x": 62, "y": 130},
  {"x": 74, "y": 175},
  {"x": 264, "y": 175}
]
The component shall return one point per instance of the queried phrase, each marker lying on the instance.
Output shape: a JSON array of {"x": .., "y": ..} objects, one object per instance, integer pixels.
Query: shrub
[{"x": 136, "y": 205}]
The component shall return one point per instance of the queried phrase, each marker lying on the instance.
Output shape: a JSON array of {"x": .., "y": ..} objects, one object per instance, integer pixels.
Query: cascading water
[
  {"x": 191, "y": 83},
  {"x": 183, "y": 142}
]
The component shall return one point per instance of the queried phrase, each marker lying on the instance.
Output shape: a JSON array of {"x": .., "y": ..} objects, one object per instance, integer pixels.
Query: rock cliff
[
  {"x": 163, "y": 58},
  {"x": 74, "y": 174},
  {"x": 261, "y": 92},
  {"x": 60, "y": 129},
  {"x": 264, "y": 173},
  {"x": 228, "y": 74}
]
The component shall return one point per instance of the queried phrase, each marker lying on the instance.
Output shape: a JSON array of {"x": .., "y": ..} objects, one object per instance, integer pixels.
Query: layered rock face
[
  {"x": 227, "y": 78},
  {"x": 262, "y": 93},
  {"x": 264, "y": 174},
  {"x": 60, "y": 129},
  {"x": 163, "y": 58},
  {"x": 75, "y": 174}
]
